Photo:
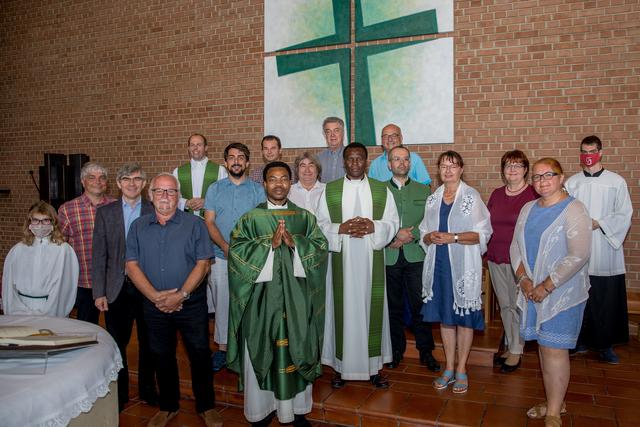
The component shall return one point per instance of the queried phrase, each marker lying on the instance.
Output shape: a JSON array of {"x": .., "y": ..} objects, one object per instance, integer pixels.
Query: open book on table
[{"x": 27, "y": 337}]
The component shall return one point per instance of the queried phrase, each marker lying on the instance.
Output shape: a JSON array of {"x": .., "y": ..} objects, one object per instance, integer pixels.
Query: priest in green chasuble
[
  {"x": 277, "y": 273},
  {"x": 358, "y": 216}
]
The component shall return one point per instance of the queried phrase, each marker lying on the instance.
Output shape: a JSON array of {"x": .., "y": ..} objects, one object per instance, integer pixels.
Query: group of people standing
[{"x": 325, "y": 270}]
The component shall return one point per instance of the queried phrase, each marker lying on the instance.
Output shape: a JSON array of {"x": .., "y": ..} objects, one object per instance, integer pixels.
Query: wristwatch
[
  {"x": 185, "y": 295},
  {"x": 455, "y": 238}
]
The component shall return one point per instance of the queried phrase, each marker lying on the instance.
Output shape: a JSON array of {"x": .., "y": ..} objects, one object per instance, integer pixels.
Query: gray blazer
[{"x": 109, "y": 249}]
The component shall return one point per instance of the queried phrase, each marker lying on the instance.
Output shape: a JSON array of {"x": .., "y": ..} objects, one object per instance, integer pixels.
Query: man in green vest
[
  {"x": 404, "y": 258},
  {"x": 194, "y": 179},
  {"x": 277, "y": 271},
  {"x": 359, "y": 218}
]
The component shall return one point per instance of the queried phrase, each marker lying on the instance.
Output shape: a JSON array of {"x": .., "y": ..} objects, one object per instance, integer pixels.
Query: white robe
[
  {"x": 607, "y": 199},
  {"x": 42, "y": 269},
  {"x": 259, "y": 403},
  {"x": 357, "y": 258}
]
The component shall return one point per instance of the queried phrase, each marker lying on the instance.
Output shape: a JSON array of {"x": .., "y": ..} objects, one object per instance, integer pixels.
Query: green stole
[
  {"x": 186, "y": 186},
  {"x": 282, "y": 321},
  {"x": 334, "y": 203}
]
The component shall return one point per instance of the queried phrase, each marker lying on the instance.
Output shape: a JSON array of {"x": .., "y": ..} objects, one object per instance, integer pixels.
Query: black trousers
[
  {"x": 193, "y": 324},
  {"x": 86, "y": 308},
  {"x": 406, "y": 278},
  {"x": 119, "y": 319}
]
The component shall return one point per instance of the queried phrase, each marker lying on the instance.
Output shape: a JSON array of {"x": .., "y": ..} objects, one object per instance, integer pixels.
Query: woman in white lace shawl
[
  {"x": 454, "y": 234},
  {"x": 549, "y": 254}
]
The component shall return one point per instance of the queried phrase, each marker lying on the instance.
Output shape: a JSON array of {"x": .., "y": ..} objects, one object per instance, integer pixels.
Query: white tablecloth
[{"x": 73, "y": 381}]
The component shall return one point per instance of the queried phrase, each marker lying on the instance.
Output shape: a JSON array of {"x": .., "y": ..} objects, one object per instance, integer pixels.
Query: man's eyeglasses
[
  {"x": 544, "y": 176},
  {"x": 162, "y": 191},
  {"x": 43, "y": 221},
  {"x": 128, "y": 179},
  {"x": 391, "y": 136}
]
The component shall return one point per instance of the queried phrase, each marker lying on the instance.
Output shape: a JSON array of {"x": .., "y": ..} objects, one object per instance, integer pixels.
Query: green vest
[
  {"x": 186, "y": 186},
  {"x": 334, "y": 203},
  {"x": 410, "y": 201}
]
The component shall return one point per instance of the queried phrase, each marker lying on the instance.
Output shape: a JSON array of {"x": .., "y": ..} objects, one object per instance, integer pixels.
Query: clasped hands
[
  {"x": 403, "y": 237},
  {"x": 168, "y": 301},
  {"x": 533, "y": 293},
  {"x": 439, "y": 238},
  {"x": 357, "y": 227},
  {"x": 282, "y": 235}
]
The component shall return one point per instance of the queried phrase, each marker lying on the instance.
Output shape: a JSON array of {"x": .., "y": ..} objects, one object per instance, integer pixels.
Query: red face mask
[{"x": 589, "y": 159}]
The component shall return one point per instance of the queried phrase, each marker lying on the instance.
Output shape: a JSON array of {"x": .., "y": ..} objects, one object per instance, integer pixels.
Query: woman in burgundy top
[{"x": 504, "y": 205}]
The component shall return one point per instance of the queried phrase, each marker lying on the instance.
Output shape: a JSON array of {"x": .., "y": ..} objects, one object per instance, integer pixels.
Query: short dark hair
[
  {"x": 592, "y": 140},
  {"x": 276, "y": 164},
  {"x": 514, "y": 156},
  {"x": 397, "y": 146},
  {"x": 354, "y": 145},
  {"x": 200, "y": 135},
  {"x": 270, "y": 137},
  {"x": 238, "y": 146},
  {"x": 452, "y": 156}
]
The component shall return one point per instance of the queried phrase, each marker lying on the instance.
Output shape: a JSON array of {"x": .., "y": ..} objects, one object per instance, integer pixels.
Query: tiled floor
[{"x": 599, "y": 395}]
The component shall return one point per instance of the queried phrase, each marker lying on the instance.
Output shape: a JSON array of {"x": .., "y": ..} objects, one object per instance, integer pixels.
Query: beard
[{"x": 238, "y": 174}]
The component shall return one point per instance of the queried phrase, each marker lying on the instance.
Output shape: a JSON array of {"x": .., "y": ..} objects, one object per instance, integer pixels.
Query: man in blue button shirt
[
  {"x": 379, "y": 168},
  {"x": 331, "y": 159},
  {"x": 168, "y": 258},
  {"x": 226, "y": 201}
]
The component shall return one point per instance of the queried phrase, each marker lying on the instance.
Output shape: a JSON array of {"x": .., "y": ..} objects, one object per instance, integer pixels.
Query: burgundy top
[{"x": 504, "y": 212}]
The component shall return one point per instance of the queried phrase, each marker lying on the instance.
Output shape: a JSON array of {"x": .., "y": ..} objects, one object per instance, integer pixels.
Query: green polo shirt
[{"x": 410, "y": 201}]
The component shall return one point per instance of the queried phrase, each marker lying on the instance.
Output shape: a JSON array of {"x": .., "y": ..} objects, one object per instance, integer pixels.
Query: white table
[{"x": 74, "y": 382}]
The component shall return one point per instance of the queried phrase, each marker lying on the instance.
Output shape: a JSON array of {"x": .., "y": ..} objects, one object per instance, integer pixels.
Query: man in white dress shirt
[
  {"x": 358, "y": 216},
  {"x": 606, "y": 196},
  {"x": 194, "y": 178}
]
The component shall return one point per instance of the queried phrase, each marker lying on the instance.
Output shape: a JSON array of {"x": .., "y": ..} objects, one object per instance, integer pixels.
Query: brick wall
[{"x": 124, "y": 80}]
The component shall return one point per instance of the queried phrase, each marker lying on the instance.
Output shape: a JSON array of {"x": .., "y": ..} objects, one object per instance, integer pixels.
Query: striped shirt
[{"x": 76, "y": 219}]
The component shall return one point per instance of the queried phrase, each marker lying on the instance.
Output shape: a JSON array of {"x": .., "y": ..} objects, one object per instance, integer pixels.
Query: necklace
[{"x": 515, "y": 191}]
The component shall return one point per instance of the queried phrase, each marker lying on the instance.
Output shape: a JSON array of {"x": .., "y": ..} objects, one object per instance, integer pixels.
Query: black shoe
[
  {"x": 498, "y": 360},
  {"x": 337, "y": 381},
  {"x": 265, "y": 421},
  {"x": 150, "y": 397},
  {"x": 430, "y": 362},
  {"x": 505, "y": 369},
  {"x": 300, "y": 421},
  {"x": 379, "y": 381},
  {"x": 393, "y": 364}
]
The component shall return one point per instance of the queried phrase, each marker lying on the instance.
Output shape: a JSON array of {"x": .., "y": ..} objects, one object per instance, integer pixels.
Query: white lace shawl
[
  {"x": 468, "y": 213},
  {"x": 563, "y": 255}
]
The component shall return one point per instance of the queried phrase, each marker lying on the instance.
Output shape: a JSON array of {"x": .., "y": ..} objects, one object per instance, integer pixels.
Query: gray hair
[
  {"x": 161, "y": 174},
  {"x": 90, "y": 167},
  {"x": 337, "y": 120},
  {"x": 129, "y": 168},
  {"x": 314, "y": 159}
]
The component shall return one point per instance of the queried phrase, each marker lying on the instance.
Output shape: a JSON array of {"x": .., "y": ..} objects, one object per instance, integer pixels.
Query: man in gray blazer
[{"x": 113, "y": 292}]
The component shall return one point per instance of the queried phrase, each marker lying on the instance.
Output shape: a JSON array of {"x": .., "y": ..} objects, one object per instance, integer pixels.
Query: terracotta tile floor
[{"x": 598, "y": 395}]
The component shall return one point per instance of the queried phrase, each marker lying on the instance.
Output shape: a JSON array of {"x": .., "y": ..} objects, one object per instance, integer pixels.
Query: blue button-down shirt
[
  {"x": 168, "y": 253},
  {"x": 229, "y": 202},
  {"x": 130, "y": 214},
  {"x": 379, "y": 169},
  {"x": 332, "y": 164}
]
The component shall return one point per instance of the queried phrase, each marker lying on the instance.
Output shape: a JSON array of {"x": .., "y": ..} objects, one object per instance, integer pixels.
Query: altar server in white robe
[
  {"x": 40, "y": 273},
  {"x": 358, "y": 216},
  {"x": 606, "y": 196}
]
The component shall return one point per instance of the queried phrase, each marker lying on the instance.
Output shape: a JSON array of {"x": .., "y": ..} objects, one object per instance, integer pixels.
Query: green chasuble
[
  {"x": 186, "y": 186},
  {"x": 282, "y": 320},
  {"x": 376, "y": 310}
]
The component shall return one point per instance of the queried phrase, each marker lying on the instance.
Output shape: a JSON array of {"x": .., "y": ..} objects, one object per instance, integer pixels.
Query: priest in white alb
[
  {"x": 606, "y": 196},
  {"x": 358, "y": 216}
]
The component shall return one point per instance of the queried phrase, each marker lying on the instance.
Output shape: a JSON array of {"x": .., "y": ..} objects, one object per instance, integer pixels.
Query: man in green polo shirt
[{"x": 404, "y": 258}]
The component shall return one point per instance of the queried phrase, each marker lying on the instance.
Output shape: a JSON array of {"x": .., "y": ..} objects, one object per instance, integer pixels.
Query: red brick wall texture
[{"x": 123, "y": 80}]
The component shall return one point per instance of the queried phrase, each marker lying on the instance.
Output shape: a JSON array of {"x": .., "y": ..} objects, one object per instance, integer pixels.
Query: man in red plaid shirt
[{"x": 76, "y": 221}]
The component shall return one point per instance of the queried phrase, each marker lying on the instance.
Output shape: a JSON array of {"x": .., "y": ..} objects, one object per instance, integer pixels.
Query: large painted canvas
[
  {"x": 297, "y": 24},
  {"x": 301, "y": 90}
]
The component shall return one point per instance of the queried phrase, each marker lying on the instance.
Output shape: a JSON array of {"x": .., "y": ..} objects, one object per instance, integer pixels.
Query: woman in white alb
[{"x": 41, "y": 272}]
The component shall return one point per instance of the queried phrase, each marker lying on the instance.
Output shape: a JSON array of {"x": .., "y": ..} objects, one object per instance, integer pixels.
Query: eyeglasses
[
  {"x": 544, "y": 176},
  {"x": 43, "y": 221},
  {"x": 514, "y": 166},
  {"x": 162, "y": 191},
  {"x": 391, "y": 136},
  {"x": 452, "y": 167},
  {"x": 128, "y": 179}
]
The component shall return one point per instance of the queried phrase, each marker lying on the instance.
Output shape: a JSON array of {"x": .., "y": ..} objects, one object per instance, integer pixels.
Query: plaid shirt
[{"x": 76, "y": 222}]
